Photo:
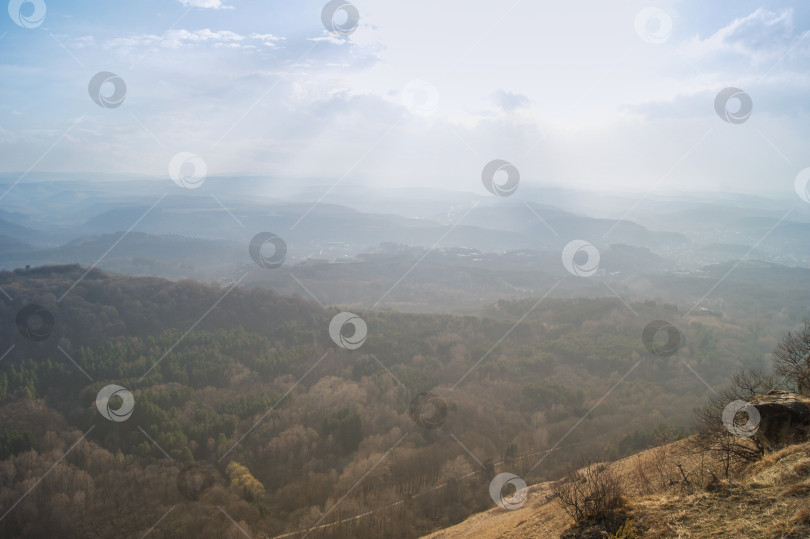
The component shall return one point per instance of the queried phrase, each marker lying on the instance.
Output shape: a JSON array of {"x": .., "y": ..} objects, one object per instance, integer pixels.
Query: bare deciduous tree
[
  {"x": 712, "y": 435},
  {"x": 792, "y": 357}
]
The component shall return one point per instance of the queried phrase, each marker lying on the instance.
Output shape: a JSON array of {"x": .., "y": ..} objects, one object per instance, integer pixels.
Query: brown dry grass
[
  {"x": 541, "y": 517},
  {"x": 538, "y": 517},
  {"x": 801, "y": 517},
  {"x": 769, "y": 499}
]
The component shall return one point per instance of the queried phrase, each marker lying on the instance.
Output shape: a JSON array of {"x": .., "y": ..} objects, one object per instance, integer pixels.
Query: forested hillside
[{"x": 247, "y": 415}]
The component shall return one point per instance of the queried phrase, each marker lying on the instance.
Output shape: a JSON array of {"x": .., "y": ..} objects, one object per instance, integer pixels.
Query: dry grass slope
[
  {"x": 772, "y": 499},
  {"x": 768, "y": 499}
]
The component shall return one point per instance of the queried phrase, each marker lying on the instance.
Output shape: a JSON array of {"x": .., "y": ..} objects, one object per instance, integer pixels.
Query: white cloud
[
  {"x": 763, "y": 52},
  {"x": 760, "y": 37},
  {"x": 330, "y": 38},
  {"x": 206, "y": 4},
  {"x": 268, "y": 40},
  {"x": 569, "y": 99},
  {"x": 178, "y": 39}
]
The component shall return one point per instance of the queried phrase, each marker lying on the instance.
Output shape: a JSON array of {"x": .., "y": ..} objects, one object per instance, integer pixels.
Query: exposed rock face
[
  {"x": 804, "y": 387},
  {"x": 784, "y": 419}
]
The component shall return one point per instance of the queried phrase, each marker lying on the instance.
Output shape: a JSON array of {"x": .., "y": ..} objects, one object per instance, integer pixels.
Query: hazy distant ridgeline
[
  {"x": 686, "y": 233},
  {"x": 353, "y": 253}
]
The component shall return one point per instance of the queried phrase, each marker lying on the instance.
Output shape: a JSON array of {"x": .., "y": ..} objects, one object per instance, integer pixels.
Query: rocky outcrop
[
  {"x": 804, "y": 386},
  {"x": 784, "y": 419}
]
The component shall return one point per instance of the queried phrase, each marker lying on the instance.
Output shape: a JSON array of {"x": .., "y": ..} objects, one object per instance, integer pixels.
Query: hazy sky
[{"x": 578, "y": 93}]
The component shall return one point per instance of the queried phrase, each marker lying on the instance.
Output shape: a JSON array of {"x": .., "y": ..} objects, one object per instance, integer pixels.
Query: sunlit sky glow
[{"x": 567, "y": 91}]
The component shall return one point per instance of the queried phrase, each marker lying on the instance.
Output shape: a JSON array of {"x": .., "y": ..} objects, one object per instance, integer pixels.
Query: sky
[{"x": 594, "y": 95}]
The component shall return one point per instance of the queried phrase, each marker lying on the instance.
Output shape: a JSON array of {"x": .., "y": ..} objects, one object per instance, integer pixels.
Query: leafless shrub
[
  {"x": 659, "y": 468},
  {"x": 594, "y": 492}
]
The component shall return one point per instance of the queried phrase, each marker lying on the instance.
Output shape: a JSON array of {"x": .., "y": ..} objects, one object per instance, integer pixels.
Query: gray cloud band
[{"x": 742, "y": 114}]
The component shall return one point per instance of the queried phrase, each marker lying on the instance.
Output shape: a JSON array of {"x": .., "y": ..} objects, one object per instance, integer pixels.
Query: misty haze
[{"x": 350, "y": 269}]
